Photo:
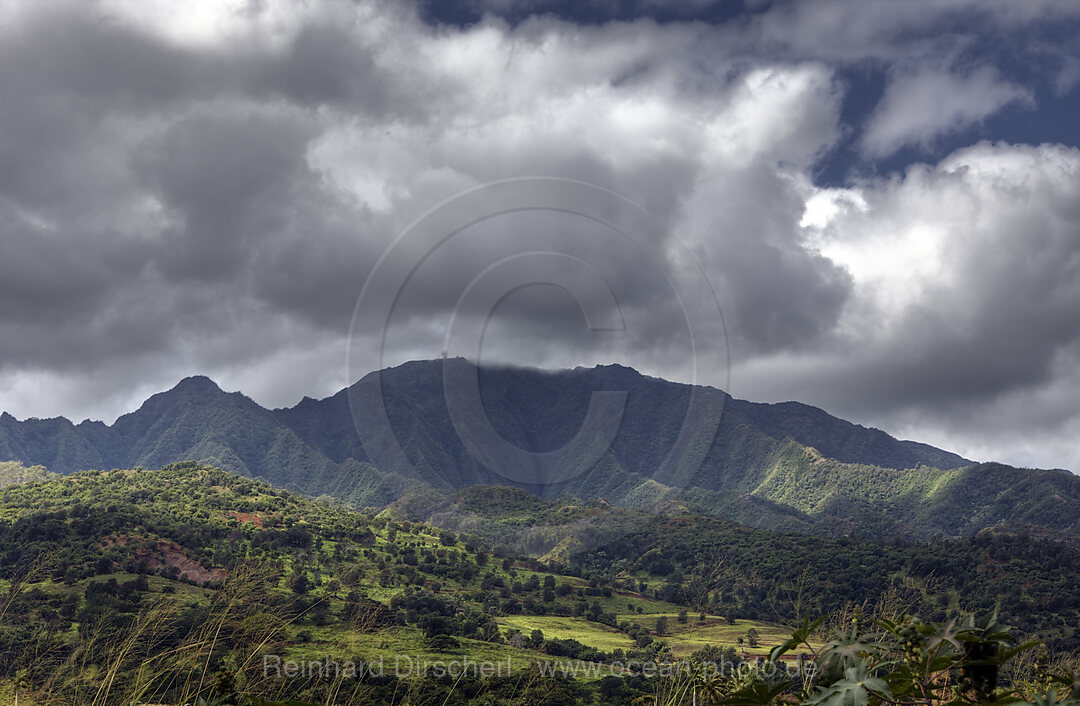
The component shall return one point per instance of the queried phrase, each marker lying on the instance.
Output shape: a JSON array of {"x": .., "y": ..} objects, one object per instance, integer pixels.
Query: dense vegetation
[
  {"x": 166, "y": 586},
  {"x": 714, "y": 565},
  {"x": 787, "y": 466},
  {"x": 136, "y": 585}
]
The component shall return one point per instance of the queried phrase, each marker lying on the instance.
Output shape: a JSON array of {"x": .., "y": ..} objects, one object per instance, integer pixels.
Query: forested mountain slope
[{"x": 784, "y": 466}]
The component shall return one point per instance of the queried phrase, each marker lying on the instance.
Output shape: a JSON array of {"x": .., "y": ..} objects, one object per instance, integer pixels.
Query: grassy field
[
  {"x": 620, "y": 604},
  {"x": 602, "y": 637},
  {"x": 686, "y": 638},
  {"x": 403, "y": 648},
  {"x": 683, "y": 638}
]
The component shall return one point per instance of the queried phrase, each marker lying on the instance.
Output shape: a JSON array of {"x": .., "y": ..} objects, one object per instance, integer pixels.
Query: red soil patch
[
  {"x": 249, "y": 517},
  {"x": 170, "y": 554}
]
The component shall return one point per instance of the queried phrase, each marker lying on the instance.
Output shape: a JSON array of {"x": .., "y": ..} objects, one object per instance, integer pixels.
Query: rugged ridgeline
[{"x": 783, "y": 466}]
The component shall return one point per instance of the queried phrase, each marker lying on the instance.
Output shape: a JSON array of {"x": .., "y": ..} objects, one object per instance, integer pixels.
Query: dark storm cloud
[
  {"x": 325, "y": 65},
  {"x": 777, "y": 293},
  {"x": 228, "y": 178},
  {"x": 131, "y": 165},
  {"x": 30, "y": 288}
]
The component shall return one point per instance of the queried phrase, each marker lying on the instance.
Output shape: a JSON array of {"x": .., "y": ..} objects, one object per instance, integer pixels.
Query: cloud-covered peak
[{"x": 210, "y": 193}]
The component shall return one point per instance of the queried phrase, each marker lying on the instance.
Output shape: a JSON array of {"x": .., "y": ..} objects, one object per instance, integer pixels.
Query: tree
[
  {"x": 299, "y": 583},
  {"x": 661, "y": 625},
  {"x": 753, "y": 638},
  {"x": 436, "y": 625},
  {"x": 441, "y": 642},
  {"x": 611, "y": 688}
]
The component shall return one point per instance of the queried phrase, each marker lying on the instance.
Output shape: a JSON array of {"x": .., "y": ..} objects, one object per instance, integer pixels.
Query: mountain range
[{"x": 787, "y": 466}]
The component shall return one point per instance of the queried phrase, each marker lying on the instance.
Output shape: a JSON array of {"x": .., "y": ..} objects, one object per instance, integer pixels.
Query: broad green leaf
[{"x": 855, "y": 689}]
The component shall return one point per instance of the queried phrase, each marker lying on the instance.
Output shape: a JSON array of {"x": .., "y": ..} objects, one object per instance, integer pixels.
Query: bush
[{"x": 442, "y": 642}]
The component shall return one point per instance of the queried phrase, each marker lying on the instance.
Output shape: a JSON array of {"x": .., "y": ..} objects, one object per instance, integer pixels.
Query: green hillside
[
  {"x": 155, "y": 586},
  {"x": 705, "y": 563},
  {"x": 162, "y": 583}
]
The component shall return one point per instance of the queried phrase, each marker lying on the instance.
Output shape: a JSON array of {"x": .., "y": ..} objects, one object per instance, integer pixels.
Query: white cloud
[
  {"x": 785, "y": 113},
  {"x": 1068, "y": 77},
  {"x": 987, "y": 238},
  {"x": 963, "y": 317},
  {"x": 205, "y": 23},
  {"x": 921, "y": 107}
]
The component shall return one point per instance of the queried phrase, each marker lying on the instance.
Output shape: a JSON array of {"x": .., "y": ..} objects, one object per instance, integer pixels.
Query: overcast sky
[{"x": 884, "y": 196}]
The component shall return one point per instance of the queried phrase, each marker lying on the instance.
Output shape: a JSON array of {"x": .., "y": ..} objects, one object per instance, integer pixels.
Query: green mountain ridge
[{"x": 786, "y": 466}]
